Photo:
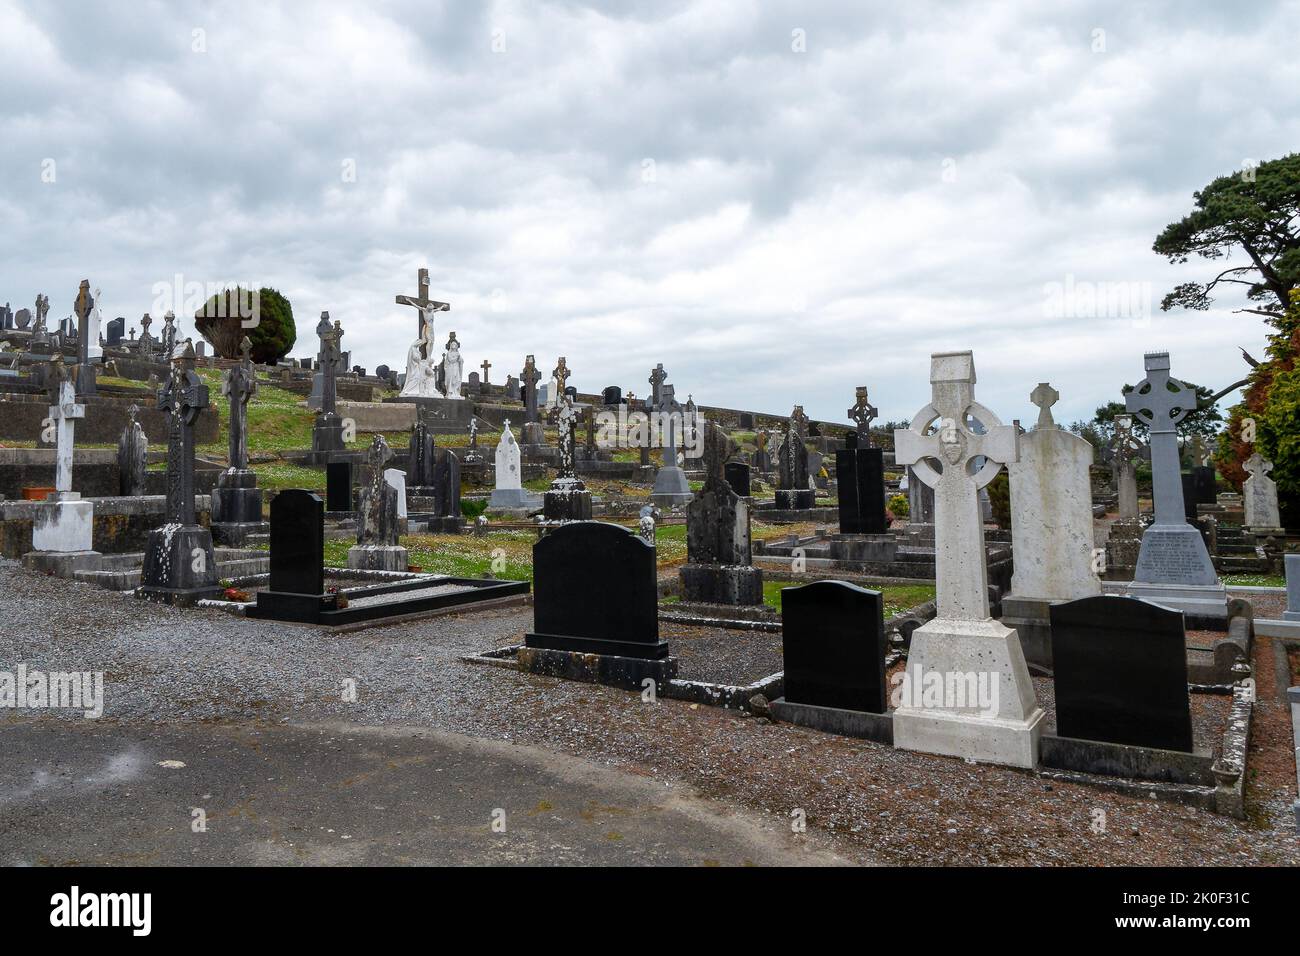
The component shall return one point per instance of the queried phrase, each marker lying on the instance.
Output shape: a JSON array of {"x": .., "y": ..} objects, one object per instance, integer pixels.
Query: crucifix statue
[
  {"x": 942, "y": 447},
  {"x": 183, "y": 397},
  {"x": 423, "y": 304},
  {"x": 59, "y": 427},
  {"x": 40, "y": 335},
  {"x": 239, "y": 385},
  {"x": 862, "y": 413}
]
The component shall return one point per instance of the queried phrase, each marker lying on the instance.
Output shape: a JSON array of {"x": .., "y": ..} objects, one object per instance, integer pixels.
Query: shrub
[{"x": 220, "y": 321}]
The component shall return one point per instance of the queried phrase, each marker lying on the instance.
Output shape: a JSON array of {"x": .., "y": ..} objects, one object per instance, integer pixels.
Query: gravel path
[{"x": 166, "y": 666}]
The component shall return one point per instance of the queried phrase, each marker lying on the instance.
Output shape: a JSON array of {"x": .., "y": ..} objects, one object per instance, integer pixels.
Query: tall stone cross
[
  {"x": 940, "y": 446},
  {"x": 169, "y": 332},
  {"x": 799, "y": 421},
  {"x": 657, "y": 377},
  {"x": 561, "y": 375},
  {"x": 862, "y": 414},
  {"x": 239, "y": 385},
  {"x": 1044, "y": 396},
  {"x": 331, "y": 349},
  {"x": 669, "y": 410},
  {"x": 1161, "y": 403},
  {"x": 566, "y": 416},
  {"x": 84, "y": 306},
  {"x": 422, "y": 303},
  {"x": 529, "y": 378},
  {"x": 146, "y": 340},
  {"x": 485, "y": 366},
  {"x": 59, "y": 427},
  {"x": 183, "y": 397}
]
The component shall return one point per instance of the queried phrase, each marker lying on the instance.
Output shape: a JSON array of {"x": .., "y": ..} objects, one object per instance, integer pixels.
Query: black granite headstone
[
  {"x": 737, "y": 475},
  {"x": 745, "y": 420},
  {"x": 612, "y": 395},
  {"x": 116, "y": 331},
  {"x": 338, "y": 485},
  {"x": 860, "y": 473},
  {"x": 572, "y": 392},
  {"x": 833, "y": 637},
  {"x": 595, "y": 591},
  {"x": 1120, "y": 668},
  {"x": 297, "y": 543}
]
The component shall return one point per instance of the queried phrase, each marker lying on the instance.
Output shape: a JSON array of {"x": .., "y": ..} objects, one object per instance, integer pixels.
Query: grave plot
[{"x": 295, "y": 589}]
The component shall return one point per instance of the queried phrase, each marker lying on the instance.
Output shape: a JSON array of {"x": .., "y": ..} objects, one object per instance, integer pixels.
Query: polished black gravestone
[
  {"x": 338, "y": 486},
  {"x": 595, "y": 592},
  {"x": 737, "y": 475},
  {"x": 612, "y": 395},
  {"x": 860, "y": 474},
  {"x": 833, "y": 638},
  {"x": 1120, "y": 667},
  {"x": 296, "y": 591}
]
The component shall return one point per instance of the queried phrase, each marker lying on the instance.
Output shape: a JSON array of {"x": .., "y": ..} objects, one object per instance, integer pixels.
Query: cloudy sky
[{"x": 779, "y": 201}]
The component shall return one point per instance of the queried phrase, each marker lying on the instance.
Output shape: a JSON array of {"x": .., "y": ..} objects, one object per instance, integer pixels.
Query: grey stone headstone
[
  {"x": 115, "y": 331},
  {"x": 23, "y": 318}
]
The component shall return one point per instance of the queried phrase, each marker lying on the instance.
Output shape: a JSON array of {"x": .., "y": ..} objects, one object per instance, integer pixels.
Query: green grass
[
  {"x": 1256, "y": 580},
  {"x": 898, "y": 597}
]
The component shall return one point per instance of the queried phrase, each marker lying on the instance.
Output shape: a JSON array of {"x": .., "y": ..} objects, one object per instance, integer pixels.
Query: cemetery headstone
[
  {"x": 236, "y": 500},
  {"x": 1173, "y": 567},
  {"x": 338, "y": 487},
  {"x": 378, "y": 523},
  {"x": 737, "y": 475},
  {"x": 1292, "y": 564},
  {"x": 595, "y": 592},
  {"x": 296, "y": 591},
  {"x": 1051, "y": 527},
  {"x": 116, "y": 329},
  {"x": 792, "y": 491},
  {"x": 132, "y": 456},
  {"x": 1262, "y": 513},
  {"x": 718, "y": 449},
  {"x": 718, "y": 551},
  {"x": 611, "y": 395},
  {"x": 1003, "y": 723},
  {"x": 327, "y": 433},
  {"x": 179, "y": 564},
  {"x": 862, "y": 413},
  {"x": 509, "y": 491},
  {"x": 22, "y": 318},
  {"x": 567, "y": 499},
  {"x": 63, "y": 526},
  {"x": 833, "y": 646},
  {"x": 671, "y": 487},
  {"x": 1121, "y": 673}
]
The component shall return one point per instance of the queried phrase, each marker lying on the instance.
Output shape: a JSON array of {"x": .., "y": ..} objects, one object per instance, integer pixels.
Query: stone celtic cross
[
  {"x": 657, "y": 378},
  {"x": 485, "y": 366},
  {"x": 862, "y": 413},
  {"x": 239, "y": 385},
  {"x": 422, "y": 303},
  {"x": 943, "y": 448},
  {"x": 1161, "y": 402},
  {"x": 1257, "y": 466},
  {"x": 799, "y": 421},
  {"x": 561, "y": 375},
  {"x": 183, "y": 397},
  {"x": 1044, "y": 396},
  {"x": 566, "y": 416}
]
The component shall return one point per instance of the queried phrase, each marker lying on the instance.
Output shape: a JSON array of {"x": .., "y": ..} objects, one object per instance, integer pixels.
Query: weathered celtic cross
[
  {"x": 1044, "y": 396},
  {"x": 862, "y": 413},
  {"x": 183, "y": 397},
  {"x": 941, "y": 446},
  {"x": 239, "y": 384},
  {"x": 1161, "y": 402},
  {"x": 528, "y": 378},
  {"x": 561, "y": 375},
  {"x": 657, "y": 378}
]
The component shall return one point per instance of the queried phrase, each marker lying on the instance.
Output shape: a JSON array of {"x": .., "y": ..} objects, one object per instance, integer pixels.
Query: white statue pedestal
[
  {"x": 1000, "y": 726},
  {"x": 63, "y": 532}
]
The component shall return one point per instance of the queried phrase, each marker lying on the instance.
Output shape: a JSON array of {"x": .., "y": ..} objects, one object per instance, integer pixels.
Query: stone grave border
[{"x": 502, "y": 593}]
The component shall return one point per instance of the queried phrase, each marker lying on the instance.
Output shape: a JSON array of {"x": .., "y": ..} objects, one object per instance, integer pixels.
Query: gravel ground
[{"x": 167, "y": 666}]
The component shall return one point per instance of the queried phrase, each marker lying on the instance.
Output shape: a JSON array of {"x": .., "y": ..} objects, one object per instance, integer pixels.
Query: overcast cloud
[{"x": 656, "y": 182}]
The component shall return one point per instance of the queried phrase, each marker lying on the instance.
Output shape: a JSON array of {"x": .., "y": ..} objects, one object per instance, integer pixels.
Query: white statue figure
[
  {"x": 453, "y": 367},
  {"x": 419, "y": 366},
  {"x": 93, "y": 350}
]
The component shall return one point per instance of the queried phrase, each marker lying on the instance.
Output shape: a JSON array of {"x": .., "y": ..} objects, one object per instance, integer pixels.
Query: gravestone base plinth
[
  {"x": 1004, "y": 729},
  {"x": 834, "y": 720},
  {"x": 237, "y": 507},
  {"x": 377, "y": 557},
  {"x": 1207, "y": 603},
  {"x": 721, "y": 584},
  {"x": 1031, "y": 618},
  {"x": 1123, "y": 545},
  {"x": 327, "y": 434},
  {"x": 180, "y": 566},
  {"x": 671, "y": 487},
  {"x": 567, "y": 500},
  {"x": 795, "y": 499},
  {"x": 442, "y": 416},
  {"x": 613, "y": 670},
  {"x": 439, "y": 524},
  {"x": 62, "y": 537},
  {"x": 506, "y": 499},
  {"x": 863, "y": 547}
]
